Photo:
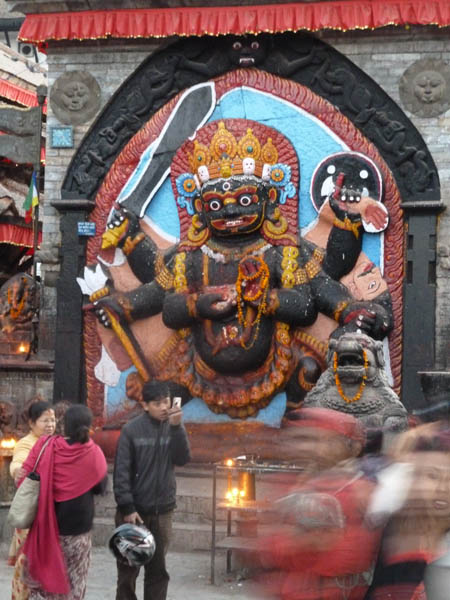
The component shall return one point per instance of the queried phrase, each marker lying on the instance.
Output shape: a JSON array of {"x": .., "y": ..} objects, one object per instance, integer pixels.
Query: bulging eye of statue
[
  {"x": 245, "y": 200},
  {"x": 215, "y": 205},
  {"x": 255, "y": 45},
  {"x": 237, "y": 46}
]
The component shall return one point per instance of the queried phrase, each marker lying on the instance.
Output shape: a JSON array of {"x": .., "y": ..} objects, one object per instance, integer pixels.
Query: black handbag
[{"x": 24, "y": 505}]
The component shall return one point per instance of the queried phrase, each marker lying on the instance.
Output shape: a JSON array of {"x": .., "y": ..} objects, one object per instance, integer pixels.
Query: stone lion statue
[{"x": 355, "y": 382}]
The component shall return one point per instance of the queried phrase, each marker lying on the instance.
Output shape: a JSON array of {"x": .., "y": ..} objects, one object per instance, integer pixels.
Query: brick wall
[
  {"x": 110, "y": 66},
  {"x": 20, "y": 386}
]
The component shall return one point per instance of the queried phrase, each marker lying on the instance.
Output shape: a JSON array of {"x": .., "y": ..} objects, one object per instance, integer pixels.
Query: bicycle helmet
[{"x": 132, "y": 544}]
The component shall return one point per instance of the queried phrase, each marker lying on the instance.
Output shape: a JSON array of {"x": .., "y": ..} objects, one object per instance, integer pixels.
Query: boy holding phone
[{"x": 144, "y": 483}]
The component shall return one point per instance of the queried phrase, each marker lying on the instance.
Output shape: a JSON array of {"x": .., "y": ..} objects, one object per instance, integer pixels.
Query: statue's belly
[{"x": 224, "y": 353}]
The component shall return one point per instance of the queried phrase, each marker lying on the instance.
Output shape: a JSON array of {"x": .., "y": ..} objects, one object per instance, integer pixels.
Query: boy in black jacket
[{"x": 144, "y": 483}]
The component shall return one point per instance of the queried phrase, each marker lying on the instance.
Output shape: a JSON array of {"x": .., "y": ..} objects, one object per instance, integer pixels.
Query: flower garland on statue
[
  {"x": 261, "y": 294},
  {"x": 15, "y": 309},
  {"x": 362, "y": 385}
]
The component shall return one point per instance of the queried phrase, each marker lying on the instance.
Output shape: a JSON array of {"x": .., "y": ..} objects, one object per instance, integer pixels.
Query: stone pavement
[{"x": 189, "y": 572}]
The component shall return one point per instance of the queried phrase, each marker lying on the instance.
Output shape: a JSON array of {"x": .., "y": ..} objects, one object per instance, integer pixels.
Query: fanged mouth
[
  {"x": 350, "y": 360},
  {"x": 246, "y": 62},
  {"x": 233, "y": 224}
]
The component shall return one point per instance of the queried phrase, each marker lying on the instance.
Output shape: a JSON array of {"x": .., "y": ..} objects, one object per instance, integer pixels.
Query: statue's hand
[
  {"x": 114, "y": 306},
  {"x": 215, "y": 306},
  {"x": 372, "y": 319},
  {"x": 122, "y": 225},
  {"x": 374, "y": 213},
  {"x": 345, "y": 204},
  {"x": 352, "y": 205}
]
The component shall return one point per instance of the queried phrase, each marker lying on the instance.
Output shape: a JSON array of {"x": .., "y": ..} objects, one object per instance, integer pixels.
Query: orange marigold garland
[
  {"x": 15, "y": 310},
  {"x": 362, "y": 385},
  {"x": 243, "y": 279}
]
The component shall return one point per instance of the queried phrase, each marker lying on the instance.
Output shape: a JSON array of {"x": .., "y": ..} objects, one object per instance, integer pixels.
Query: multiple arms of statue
[
  {"x": 345, "y": 240},
  {"x": 289, "y": 304},
  {"x": 144, "y": 301}
]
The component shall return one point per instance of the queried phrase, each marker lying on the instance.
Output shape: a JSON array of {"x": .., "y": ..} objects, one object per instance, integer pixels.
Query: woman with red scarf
[
  {"x": 41, "y": 420},
  {"x": 72, "y": 469}
]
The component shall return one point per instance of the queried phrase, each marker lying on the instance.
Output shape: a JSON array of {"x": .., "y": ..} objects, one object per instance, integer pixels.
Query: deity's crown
[{"x": 227, "y": 156}]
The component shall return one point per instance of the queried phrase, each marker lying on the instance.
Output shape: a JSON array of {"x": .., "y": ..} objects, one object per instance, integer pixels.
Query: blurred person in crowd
[
  {"x": 149, "y": 447},
  {"x": 320, "y": 547},
  {"x": 413, "y": 498},
  {"x": 41, "y": 421},
  {"x": 72, "y": 469}
]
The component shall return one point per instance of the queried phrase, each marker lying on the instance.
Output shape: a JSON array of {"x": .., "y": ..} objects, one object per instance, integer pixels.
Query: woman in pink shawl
[{"x": 72, "y": 469}]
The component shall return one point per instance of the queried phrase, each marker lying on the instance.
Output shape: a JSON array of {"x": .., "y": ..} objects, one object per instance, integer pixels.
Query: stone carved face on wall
[
  {"x": 75, "y": 97},
  {"x": 425, "y": 88},
  {"x": 429, "y": 86}
]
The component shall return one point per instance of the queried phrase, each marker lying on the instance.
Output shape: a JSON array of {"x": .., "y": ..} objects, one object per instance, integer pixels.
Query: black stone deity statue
[{"x": 242, "y": 283}]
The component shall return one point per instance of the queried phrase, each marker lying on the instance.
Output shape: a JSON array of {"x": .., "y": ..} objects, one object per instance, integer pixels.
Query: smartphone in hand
[{"x": 176, "y": 403}]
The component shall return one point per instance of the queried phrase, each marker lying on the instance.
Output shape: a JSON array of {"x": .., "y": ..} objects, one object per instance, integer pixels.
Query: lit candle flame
[
  {"x": 8, "y": 443},
  {"x": 22, "y": 348},
  {"x": 229, "y": 462}
]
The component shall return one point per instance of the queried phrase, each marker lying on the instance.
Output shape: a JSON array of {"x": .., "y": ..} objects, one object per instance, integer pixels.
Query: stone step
[
  {"x": 194, "y": 492},
  {"x": 193, "y": 516},
  {"x": 186, "y": 537},
  {"x": 192, "y": 509}
]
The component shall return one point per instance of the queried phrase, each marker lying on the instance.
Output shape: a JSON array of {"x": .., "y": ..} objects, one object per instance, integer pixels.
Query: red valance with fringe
[
  {"x": 199, "y": 21},
  {"x": 17, "y": 235},
  {"x": 18, "y": 94}
]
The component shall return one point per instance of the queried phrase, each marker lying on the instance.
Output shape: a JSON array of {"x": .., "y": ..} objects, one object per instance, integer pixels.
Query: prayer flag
[{"x": 32, "y": 199}]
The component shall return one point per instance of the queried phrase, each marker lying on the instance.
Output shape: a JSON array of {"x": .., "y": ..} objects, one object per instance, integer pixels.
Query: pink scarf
[{"x": 66, "y": 471}]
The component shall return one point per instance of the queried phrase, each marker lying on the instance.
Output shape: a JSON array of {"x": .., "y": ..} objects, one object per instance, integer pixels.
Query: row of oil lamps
[
  {"x": 245, "y": 489},
  {"x": 8, "y": 443}
]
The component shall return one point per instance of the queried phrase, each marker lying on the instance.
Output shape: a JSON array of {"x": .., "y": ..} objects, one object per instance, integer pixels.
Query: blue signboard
[{"x": 86, "y": 228}]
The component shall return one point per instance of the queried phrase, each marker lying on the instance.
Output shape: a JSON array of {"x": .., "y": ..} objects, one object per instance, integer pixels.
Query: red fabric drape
[
  {"x": 18, "y": 94},
  {"x": 188, "y": 21},
  {"x": 66, "y": 471},
  {"x": 17, "y": 236}
]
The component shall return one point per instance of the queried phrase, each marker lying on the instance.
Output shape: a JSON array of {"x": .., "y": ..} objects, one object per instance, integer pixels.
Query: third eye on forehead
[{"x": 233, "y": 191}]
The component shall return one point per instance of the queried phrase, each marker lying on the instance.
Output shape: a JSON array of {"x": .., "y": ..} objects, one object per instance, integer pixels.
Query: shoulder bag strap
[{"x": 40, "y": 453}]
